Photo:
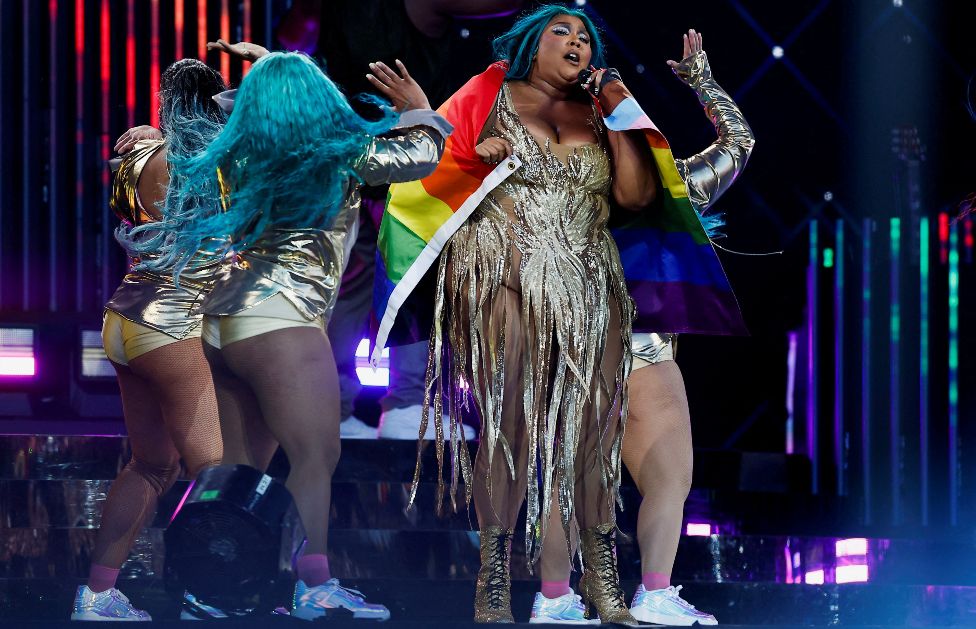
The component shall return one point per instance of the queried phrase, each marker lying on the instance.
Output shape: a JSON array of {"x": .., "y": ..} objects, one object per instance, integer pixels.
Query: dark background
[{"x": 823, "y": 114}]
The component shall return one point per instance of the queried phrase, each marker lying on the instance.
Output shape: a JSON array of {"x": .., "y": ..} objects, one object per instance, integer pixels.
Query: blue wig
[
  {"x": 283, "y": 160},
  {"x": 519, "y": 45}
]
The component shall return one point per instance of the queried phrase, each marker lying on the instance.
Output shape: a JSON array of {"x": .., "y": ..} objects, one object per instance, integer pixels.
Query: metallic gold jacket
[
  {"x": 306, "y": 265},
  {"x": 148, "y": 298}
]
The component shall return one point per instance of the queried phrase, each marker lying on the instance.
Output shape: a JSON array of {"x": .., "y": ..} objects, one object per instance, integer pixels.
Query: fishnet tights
[
  {"x": 657, "y": 450},
  {"x": 170, "y": 412},
  {"x": 282, "y": 387}
]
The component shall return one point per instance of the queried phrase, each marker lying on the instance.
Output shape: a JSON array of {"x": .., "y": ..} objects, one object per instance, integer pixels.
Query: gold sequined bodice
[{"x": 558, "y": 197}]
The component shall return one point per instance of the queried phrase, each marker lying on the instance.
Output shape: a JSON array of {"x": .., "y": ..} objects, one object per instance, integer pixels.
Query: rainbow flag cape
[{"x": 672, "y": 270}]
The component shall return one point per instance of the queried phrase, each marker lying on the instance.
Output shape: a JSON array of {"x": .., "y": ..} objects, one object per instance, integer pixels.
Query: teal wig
[
  {"x": 519, "y": 45},
  {"x": 284, "y": 157}
]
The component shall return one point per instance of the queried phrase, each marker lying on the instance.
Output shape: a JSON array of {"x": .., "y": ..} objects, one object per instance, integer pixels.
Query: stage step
[
  {"x": 100, "y": 457},
  {"x": 63, "y": 552},
  {"x": 436, "y": 602},
  {"x": 382, "y": 504}
]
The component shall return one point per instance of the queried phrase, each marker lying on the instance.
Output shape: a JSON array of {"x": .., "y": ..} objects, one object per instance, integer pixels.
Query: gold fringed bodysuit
[{"x": 534, "y": 305}]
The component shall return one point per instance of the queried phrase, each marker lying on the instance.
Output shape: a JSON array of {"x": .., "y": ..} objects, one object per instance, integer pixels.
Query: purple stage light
[
  {"x": 17, "y": 366},
  {"x": 186, "y": 494},
  {"x": 17, "y": 353},
  {"x": 794, "y": 340},
  {"x": 853, "y": 547},
  {"x": 814, "y": 577},
  {"x": 368, "y": 375},
  {"x": 854, "y": 573},
  {"x": 698, "y": 529}
]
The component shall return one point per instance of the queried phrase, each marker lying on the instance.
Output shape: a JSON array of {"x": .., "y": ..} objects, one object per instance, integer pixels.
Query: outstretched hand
[
  {"x": 692, "y": 46},
  {"x": 244, "y": 50},
  {"x": 402, "y": 90}
]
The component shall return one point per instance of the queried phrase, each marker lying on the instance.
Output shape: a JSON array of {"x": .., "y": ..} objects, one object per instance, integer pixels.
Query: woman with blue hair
[
  {"x": 153, "y": 341},
  {"x": 284, "y": 177}
]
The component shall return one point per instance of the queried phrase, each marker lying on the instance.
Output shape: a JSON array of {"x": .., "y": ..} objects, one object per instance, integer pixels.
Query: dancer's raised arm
[{"x": 709, "y": 174}]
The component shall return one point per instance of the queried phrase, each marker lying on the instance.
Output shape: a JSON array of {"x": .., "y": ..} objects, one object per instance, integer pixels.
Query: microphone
[{"x": 586, "y": 74}]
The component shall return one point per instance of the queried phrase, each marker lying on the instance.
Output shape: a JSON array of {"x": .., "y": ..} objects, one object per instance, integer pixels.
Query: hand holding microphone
[{"x": 593, "y": 80}]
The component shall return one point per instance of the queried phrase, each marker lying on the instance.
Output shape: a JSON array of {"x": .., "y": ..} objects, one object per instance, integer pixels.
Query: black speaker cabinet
[{"x": 233, "y": 541}]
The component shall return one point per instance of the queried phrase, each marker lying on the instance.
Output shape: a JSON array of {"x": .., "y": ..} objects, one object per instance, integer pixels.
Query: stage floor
[{"x": 775, "y": 557}]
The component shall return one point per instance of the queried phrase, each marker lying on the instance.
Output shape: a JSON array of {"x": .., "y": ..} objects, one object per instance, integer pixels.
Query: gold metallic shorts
[
  {"x": 649, "y": 348},
  {"x": 124, "y": 340},
  {"x": 275, "y": 313}
]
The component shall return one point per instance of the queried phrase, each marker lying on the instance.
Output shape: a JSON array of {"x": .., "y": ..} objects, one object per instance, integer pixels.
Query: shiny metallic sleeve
[
  {"x": 709, "y": 173},
  {"x": 124, "y": 200},
  {"x": 406, "y": 153}
]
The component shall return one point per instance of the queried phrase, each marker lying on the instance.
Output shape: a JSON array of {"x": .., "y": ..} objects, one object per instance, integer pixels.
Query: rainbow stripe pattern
[{"x": 673, "y": 273}]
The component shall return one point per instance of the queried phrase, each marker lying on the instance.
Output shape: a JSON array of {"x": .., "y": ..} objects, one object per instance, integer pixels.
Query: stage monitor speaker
[{"x": 233, "y": 540}]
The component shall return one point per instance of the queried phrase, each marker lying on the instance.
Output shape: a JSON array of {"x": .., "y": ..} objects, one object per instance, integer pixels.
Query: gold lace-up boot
[
  {"x": 493, "y": 592},
  {"x": 600, "y": 584}
]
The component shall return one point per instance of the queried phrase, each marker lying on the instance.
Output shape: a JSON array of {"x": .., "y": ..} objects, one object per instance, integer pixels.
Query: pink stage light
[
  {"x": 225, "y": 35},
  {"x": 202, "y": 30},
  {"x": 17, "y": 366},
  {"x": 698, "y": 529},
  {"x": 814, "y": 577},
  {"x": 857, "y": 573},
  {"x": 17, "y": 352},
  {"x": 186, "y": 495},
  {"x": 854, "y": 547}
]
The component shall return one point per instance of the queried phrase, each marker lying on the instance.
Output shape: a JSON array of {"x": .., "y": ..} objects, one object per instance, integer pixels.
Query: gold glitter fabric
[
  {"x": 493, "y": 590},
  {"x": 533, "y": 321},
  {"x": 600, "y": 584},
  {"x": 124, "y": 202}
]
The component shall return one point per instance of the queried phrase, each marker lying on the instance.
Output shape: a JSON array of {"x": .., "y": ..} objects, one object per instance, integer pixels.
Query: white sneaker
[
  {"x": 310, "y": 603},
  {"x": 354, "y": 428},
  {"x": 567, "y": 609},
  {"x": 666, "y": 607},
  {"x": 404, "y": 423},
  {"x": 108, "y": 605}
]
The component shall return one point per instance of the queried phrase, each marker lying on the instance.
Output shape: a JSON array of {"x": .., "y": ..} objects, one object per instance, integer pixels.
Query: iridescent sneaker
[
  {"x": 108, "y": 605},
  {"x": 567, "y": 609},
  {"x": 666, "y": 607},
  {"x": 312, "y": 602}
]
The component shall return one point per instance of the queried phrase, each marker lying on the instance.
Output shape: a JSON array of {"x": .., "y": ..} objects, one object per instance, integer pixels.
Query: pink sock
[
  {"x": 655, "y": 580},
  {"x": 101, "y": 578},
  {"x": 555, "y": 589},
  {"x": 313, "y": 569}
]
